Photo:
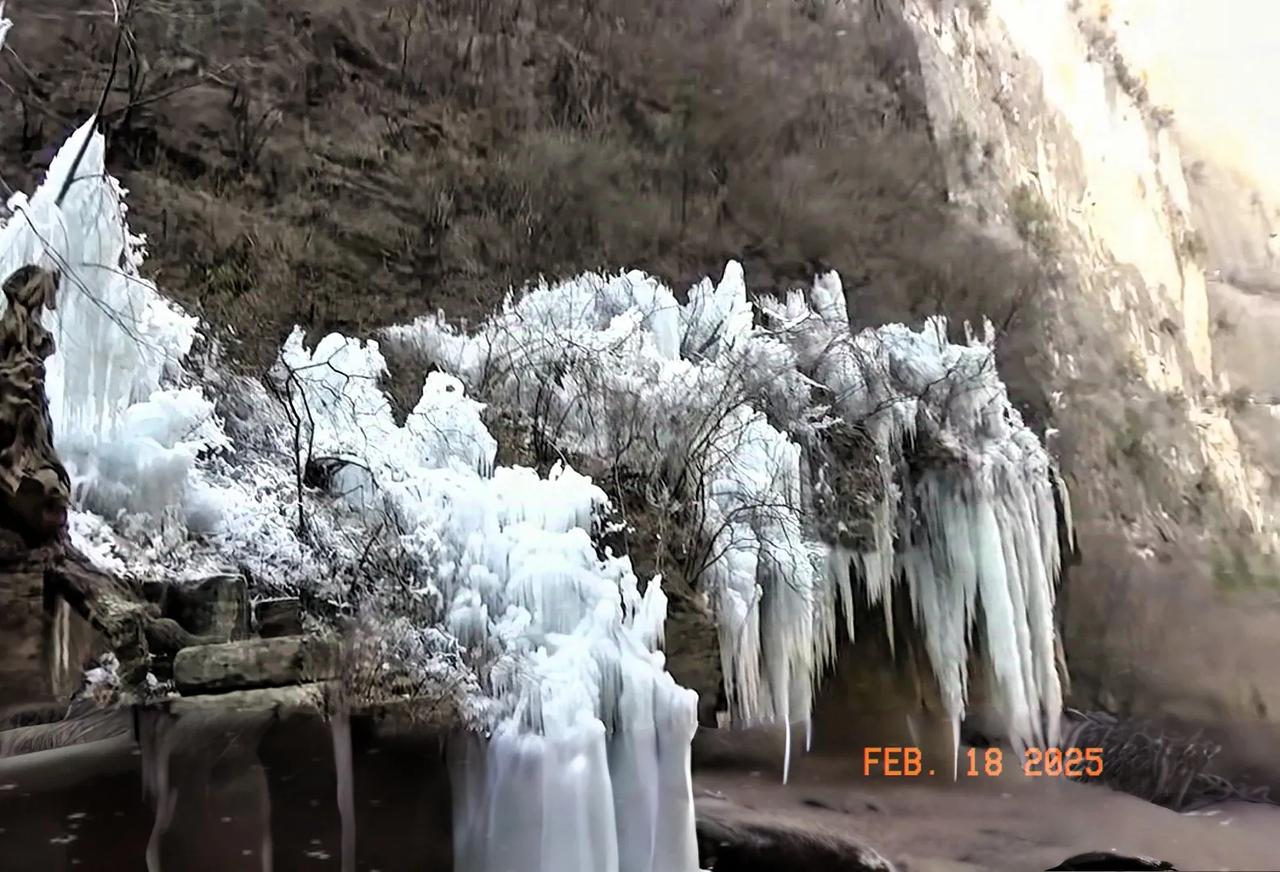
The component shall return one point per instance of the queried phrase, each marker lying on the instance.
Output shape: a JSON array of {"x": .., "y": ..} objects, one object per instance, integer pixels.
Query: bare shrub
[
  {"x": 1237, "y": 399},
  {"x": 1191, "y": 245},
  {"x": 1145, "y": 761},
  {"x": 387, "y": 660},
  {"x": 1034, "y": 220}
]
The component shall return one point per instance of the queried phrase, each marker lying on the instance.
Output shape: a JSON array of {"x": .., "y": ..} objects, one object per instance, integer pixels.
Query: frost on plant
[
  {"x": 547, "y": 647},
  {"x": 929, "y": 485},
  {"x": 584, "y": 721}
]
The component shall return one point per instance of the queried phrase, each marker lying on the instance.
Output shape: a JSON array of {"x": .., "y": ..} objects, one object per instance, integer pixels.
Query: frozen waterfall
[
  {"x": 128, "y": 443},
  {"x": 736, "y": 415},
  {"x": 824, "y": 469},
  {"x": 576, "y": 687},
  {"x": 586, "y": 764}
]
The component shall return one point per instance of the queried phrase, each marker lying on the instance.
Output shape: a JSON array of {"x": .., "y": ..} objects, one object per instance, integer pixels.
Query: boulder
[
  {"x": 24, "y": 625},
  {"x": 280, "y": 616},
  {"x": 254, "y": 663},
  {"x": 216, "y": 607},
  {"x": 1109, "y": 861},
  {"x": 303, "y": 699},
  {"x": 45, "y": 641},
  {"x": 732, "y": 838}
]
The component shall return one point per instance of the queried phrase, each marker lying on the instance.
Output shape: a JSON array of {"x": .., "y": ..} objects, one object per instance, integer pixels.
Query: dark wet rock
[
  {"x": 34, "y": 487},
  {"x": 732, "y": 838},
  {"x": 253, "y": 663},
  {"x": 24, "y": 675},
  {"x": 812, "y": 802},
  {"x": 166, "y": 637},
  {"x": 1105, "y": 861},
  {"x": 693, "y": 649},
  {"x": 281, "y": 616},
  {"x": 217, "y": 606}
]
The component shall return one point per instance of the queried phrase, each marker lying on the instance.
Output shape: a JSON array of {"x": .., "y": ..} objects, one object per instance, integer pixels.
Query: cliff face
[
  {"x": 1239, "y": 225},
  {"x": 1045, "y": 133}
]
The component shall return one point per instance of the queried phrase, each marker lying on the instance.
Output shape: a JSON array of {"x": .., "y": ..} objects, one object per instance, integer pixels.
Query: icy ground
[{"x": 582, "y": 757}]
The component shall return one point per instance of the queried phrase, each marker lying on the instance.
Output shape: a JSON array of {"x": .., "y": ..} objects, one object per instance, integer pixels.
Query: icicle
[
  {"x": 158, "y": 732},
  {"x": 955, "y": 747},
  {"x": 264, "y": 815},
  {"x": 786, "y": 751},
  {"x": 971, "y": 532},
  {"x": 340, "y": 728}
]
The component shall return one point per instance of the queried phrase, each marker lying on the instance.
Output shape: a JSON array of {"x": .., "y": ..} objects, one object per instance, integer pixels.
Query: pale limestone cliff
[{"x": 1047, "y": 135}]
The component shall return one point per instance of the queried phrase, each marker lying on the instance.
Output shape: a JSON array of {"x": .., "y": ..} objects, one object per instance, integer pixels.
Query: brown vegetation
[{"x": 343, "y": 165}]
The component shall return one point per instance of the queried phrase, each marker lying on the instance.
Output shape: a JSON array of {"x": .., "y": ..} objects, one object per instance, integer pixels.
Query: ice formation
[
  {"x": 586, "y": 765},
  {"x": 128, "y": 443},
  {"x": 731, "y": 414},
  {"x": 580, "y": 699},
  {"x": 584, "y": 760},
  {"x": 578, "y": 694}
]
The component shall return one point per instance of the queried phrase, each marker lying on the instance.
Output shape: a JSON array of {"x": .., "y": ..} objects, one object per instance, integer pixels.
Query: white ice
[
  {"x": 584, "y": 763},
  {"x": 723, "y": 415},
  {"x": 128, "y": 443},
  {"x": 575, "y": 676},
  {"x": 586, "y": 767}
]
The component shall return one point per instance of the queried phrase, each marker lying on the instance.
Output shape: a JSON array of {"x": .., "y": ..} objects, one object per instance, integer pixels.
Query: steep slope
[
  {"x": 343, "y": 165},
  {"x": 1063, "y": 145},
  {"x": 346, "y": 165}
]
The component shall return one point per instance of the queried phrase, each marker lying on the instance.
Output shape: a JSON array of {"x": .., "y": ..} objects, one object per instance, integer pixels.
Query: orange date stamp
[{"x": 904, "y": 761}]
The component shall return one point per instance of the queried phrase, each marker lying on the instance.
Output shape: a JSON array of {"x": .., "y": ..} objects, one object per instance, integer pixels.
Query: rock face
[
  {"x": 25, "y": 624},
  {"x": 281, "y": 616},
  {"x": 294, "y": 699},
  {"x": 1047, "y": 139},
  {"x": 217, "y": 607},
  {"x": 255, "y": 663},
  {"x": 34, "y": 494},
  {"x": 34, "y": 488},
  {"x": 1112, "y": 862}
]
